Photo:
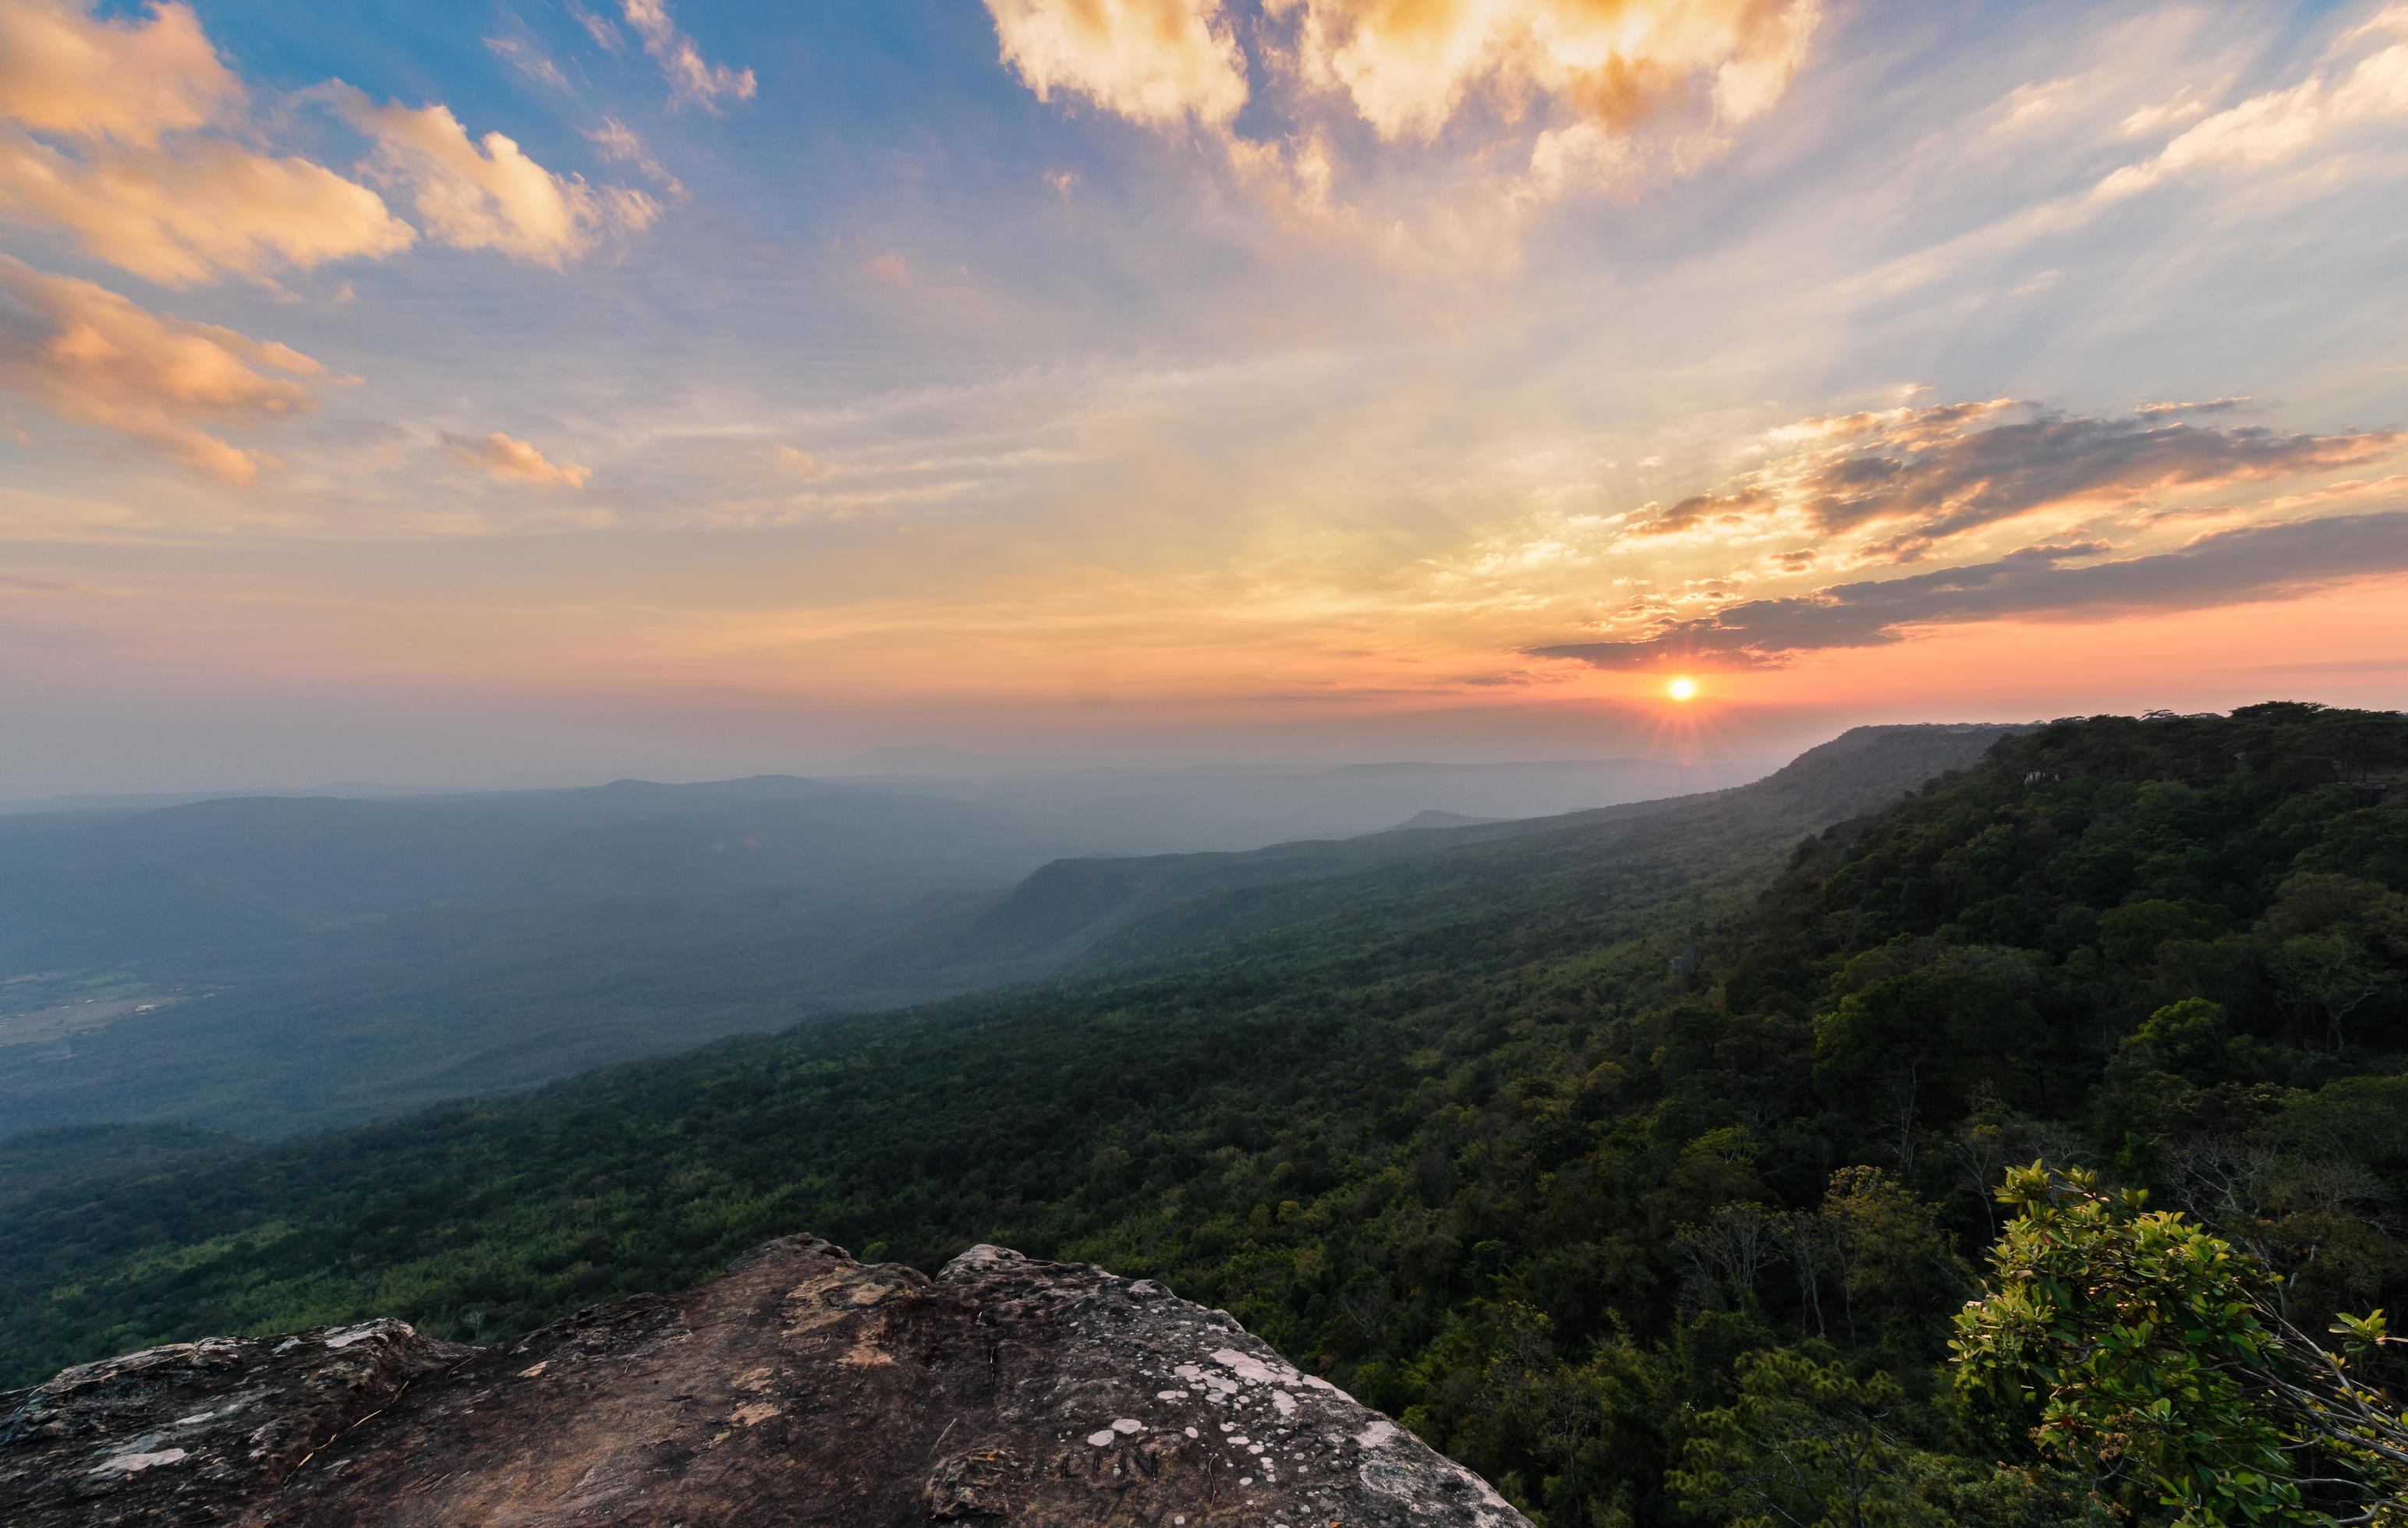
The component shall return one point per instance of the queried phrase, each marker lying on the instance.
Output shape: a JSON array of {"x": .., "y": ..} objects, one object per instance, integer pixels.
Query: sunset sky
[{"x": 465, "y": 392}]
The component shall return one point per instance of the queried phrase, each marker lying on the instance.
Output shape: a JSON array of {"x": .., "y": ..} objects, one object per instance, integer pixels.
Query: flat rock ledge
[{"x": 801, "y": 1387}]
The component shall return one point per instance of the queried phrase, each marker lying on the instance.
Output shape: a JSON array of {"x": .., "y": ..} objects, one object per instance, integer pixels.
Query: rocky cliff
[{"x": 801, "y": 1387}]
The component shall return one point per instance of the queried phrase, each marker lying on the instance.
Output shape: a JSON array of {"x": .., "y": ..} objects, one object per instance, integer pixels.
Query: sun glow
[{"x": 1681, "y": 688}]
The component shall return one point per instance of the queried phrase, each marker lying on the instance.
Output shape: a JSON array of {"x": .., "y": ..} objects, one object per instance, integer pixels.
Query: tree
[
  {"x": 1887, "y": 1251},
  {"x": 1804, "y": 1447},
  {"x": 1730, "y": 1250},
  {"x": 2331, "y": 975},
  {"x": 2160, "y": 1364},
  {"x": 2328, "y": 929}
]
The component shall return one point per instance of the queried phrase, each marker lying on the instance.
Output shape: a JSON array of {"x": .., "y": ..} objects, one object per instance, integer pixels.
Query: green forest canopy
[{"x": 1604, "y": 1223}]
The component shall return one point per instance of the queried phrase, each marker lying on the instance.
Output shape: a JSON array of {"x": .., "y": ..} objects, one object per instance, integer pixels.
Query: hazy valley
[{"x": 266, "y": 964}]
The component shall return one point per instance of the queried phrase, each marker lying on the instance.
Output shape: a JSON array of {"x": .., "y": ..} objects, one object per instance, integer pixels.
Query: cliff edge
[{"x": 800, "y": 1387}]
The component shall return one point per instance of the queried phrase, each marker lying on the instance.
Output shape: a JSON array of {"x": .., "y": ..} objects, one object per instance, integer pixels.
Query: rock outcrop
[{"x": 801, "y": 1387}]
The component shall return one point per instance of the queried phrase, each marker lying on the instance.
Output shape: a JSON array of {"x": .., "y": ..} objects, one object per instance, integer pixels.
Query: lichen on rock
[{"x": 800, "y": 1387}]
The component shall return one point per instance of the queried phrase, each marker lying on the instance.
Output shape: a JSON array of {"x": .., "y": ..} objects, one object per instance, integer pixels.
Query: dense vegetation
[{"x": 1615, "y": 1180}]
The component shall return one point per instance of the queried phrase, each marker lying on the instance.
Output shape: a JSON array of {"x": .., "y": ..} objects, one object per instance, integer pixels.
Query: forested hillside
[{"x": 1649, "y": 1194}]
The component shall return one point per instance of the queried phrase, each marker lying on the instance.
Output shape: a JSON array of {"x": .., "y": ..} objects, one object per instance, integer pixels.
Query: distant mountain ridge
[
  {"x": 77, "y": 889},
  {"x": 1080, "y": 915},
  {"x": 1433, "y": 818},
  {"x": 344, "y": 960}
]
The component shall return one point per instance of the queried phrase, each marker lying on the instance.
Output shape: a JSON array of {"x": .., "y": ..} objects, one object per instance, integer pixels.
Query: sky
[{"x": 465, "y": 393}]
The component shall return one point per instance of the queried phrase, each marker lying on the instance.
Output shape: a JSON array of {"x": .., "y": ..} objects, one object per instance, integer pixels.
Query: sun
[{"x": 1681, "y": 688}]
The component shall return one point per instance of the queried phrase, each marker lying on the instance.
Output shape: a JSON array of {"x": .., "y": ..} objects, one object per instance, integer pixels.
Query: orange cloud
[
  {"x": 1157, "y": 62},
  {"x": 1409, "y": 65},
  {"x": 90, "y": 355},
  {"x": 130, "y": 173},
  {"x": 126, "y": 136},
  {"x": 201, "y": 210},
  {"x": 1596, "y": 90},
  {"x": 63, "y": 71},
  {"x": 506, "y": 459},
  {"x": 486, "y": 194}
]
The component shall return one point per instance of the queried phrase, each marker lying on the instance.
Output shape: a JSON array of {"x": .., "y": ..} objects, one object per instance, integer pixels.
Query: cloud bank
[
  {"x": 2282, "y": 561},
  {"x": 1585, "y": 91},
  {"x": 1923, "y": 475}
]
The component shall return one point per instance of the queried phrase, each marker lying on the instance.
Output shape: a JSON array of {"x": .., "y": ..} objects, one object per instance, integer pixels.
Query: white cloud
[
  {"x": 2335, "y": 125},
  {"x": 2156, "y": 118},
  {"x": 691, "y": 77},
  {"x": 2277, "y": 126},
  {"x": 615, "y": 139},
  {"x": 1590, "y": 93},
  {"x": 1157, "y": 62},
  {"x": 90, "y": 355},
  {"x": 599, "y": 27},
  {"x": 528, "y": 60},
  {"x": 1409, "y": 67},
  {"x": 486, "y": 194}
]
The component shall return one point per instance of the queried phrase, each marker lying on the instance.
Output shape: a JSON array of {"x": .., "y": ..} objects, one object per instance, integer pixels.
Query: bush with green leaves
[{"x": 2158, "y": 1361}]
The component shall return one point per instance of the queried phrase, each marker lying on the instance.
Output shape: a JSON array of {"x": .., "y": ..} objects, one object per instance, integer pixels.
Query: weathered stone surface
[
  {"x": 800, "y": 1388},
  {"x": 196, "y": 1432}
]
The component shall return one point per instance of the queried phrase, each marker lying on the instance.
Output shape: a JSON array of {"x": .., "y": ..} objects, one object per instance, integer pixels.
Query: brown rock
[
  {"x": 196, "y": 1431},
  {"x": 800, "y": 1388}
]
